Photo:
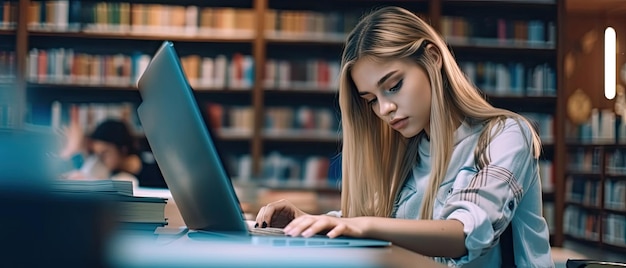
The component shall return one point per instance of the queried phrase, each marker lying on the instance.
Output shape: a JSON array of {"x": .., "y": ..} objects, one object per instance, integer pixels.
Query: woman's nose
[{"x": 387, "y": 107}]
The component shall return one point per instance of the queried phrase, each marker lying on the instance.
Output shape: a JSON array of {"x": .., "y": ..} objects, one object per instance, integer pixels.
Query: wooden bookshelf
[
  {"x": 265, "y": 44},
  {"x": 603, "y": 182}
]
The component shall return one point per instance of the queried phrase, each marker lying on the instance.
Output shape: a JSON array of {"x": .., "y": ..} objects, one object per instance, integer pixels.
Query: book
[
  {"x": 100, "y": 186},
  {"x": 131, "y": 212}
]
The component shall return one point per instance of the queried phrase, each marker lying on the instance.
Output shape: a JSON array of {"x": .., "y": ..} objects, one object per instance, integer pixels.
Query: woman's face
[
  {"x": 108, "y": 154},
  {"x": 398, "y": 91}
]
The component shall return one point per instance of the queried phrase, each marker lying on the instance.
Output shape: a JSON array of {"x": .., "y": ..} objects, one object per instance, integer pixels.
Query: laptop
[{"x": 191, "y": 166}]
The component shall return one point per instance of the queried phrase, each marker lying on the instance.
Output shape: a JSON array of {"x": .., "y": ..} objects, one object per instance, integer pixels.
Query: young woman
[
  {"x": 111, "y": 152},
  {"x": 427, "y": 163}
]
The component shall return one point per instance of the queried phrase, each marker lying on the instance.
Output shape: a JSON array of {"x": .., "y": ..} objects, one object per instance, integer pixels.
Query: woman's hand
[
  {"x": 278, "y": 214},
  {"x": 309, "y": 225}
]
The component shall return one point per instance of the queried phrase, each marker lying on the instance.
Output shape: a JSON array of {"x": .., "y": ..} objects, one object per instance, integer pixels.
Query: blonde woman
[{"x": 427, "y": 163}]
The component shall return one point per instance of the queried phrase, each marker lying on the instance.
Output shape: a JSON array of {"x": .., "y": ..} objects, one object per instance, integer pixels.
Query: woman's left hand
[{"x": 310, "y": 225}]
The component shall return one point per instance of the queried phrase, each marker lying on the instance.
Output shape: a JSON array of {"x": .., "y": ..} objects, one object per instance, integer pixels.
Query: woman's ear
[{"x": 435, "y": 54}]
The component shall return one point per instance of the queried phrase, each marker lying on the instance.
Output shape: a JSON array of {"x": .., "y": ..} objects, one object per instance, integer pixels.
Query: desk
[{"x": 178, "y": 250}]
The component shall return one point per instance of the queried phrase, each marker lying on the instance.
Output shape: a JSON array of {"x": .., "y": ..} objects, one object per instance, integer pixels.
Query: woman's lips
[{"x": 398, "y": 124}]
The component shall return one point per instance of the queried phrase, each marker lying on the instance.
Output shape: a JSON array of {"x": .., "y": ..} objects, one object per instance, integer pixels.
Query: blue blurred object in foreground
[{"x": 28, "y": 157}]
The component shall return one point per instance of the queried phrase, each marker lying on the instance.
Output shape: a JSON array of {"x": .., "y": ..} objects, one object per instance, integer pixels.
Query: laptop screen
[{"x": 183, "y": 147}]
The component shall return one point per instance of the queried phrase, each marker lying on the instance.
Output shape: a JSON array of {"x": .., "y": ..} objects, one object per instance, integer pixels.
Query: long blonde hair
[{"x": 376, "y": 159}]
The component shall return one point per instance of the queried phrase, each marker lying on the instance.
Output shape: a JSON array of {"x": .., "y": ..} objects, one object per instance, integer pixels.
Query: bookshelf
[
  {"x": 595, "y": 192},
  {"x": 595, "y": 182},
  {"x": 275, "y": 44}
]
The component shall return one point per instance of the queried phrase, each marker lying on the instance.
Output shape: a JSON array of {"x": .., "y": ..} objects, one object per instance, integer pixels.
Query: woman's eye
[
  {"x": 396, "y": 87},
  {"x": 372, "y": 101}
]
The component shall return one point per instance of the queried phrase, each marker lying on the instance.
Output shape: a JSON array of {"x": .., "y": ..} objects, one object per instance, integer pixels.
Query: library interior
[{"x": 266, "y": 76}]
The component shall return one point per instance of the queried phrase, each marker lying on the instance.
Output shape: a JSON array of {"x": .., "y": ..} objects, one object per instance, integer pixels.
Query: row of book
[
  {"x": 312, "y": 24},
  {"x": 585, "y": 160},
  {"x": 615, "y": 195},
  {"x": 581, "y": 223},
  {"x": 615, "y": 230},
  {"x": 7, "y": 66},
  {"x": 225, "y": 120},
  {"x": 499, "y": 31},
  {"x": 135, "y": 213},
  {"x": 67, "y": 66},
  {"x": 603, "y": 127},
  {"x": 219, "y": 72},
  {"x": 8, "y": 14},
  {"x": 235, "y": 118},
  {"x": 89, "y": 115},
  {"x": 584, "y": 224},
  {"x": 584, "y": 191},
  {"x": 616, "y": 162},
  {"x": 140, "y": 18},
  {"x": 315, "y": 74},
  {"x": 511, "y": 79},
  {"x": 282, "y": 170},
  {"x": 278, "y": 120},
  {"x": 588, "y": 192}
]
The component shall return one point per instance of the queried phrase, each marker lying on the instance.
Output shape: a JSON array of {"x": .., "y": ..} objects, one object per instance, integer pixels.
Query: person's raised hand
[
  {"x": 74, "y": 140},
  {"x": 277, "y": 214}
]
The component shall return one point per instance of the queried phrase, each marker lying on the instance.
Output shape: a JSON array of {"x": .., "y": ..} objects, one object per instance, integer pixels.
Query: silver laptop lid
[{"x": 183, "y": 147}]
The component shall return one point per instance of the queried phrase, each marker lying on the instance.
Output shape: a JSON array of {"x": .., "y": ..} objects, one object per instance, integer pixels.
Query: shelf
[
  {"x": 305, "y": 38},
  {"x": 318, "y": 98},
  {"x": 112, "y": 87},
  {"x": 614, "y": 211},
  {"x": 621, "y": 248},
  {"x": 583, "y": 240},
  {"x": 616, "y": 176},
  {"x": 535, "y": 100},
  {"x": 596, "y": 175},
  {"x": 585, "y": 144},
  {"x": 301, "y": 136},
  {"x": 7, "y": 32},
  {"x": 302, "y": 92},
  {"x": 131, "y": 36},
  {"x": 82, "y": 87},
  {"x": 583, "y": 206},
  {"x": 504, "y": 46}
]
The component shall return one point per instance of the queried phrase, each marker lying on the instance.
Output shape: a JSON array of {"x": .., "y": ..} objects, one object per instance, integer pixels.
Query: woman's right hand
[{"x": 277, "y": 214}]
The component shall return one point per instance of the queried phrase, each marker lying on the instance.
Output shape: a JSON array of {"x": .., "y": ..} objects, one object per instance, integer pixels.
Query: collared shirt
[{"x": 507, "y": 190}]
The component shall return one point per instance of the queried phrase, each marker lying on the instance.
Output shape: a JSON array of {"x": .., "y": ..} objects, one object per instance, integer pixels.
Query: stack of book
[{"x": 138, "y": 213}]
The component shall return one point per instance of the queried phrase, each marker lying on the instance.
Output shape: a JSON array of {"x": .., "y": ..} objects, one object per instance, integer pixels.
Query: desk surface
[{"x": 179, "y": 250}]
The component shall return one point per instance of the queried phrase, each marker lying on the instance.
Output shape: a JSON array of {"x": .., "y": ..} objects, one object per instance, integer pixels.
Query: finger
[
  {"x": 296, "y": 227},
  {"x": 340, "y": 229},
  {"x": 259, "y": 217},
  {"x": 321, "y": 224}
]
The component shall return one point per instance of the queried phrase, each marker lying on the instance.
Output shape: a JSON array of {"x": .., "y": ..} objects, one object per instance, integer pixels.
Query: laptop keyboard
[{"x": 268, "y": 231}]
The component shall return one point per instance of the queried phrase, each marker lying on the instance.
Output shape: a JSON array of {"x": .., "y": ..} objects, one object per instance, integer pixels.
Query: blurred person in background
[{"x": 110, "y": 152}]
